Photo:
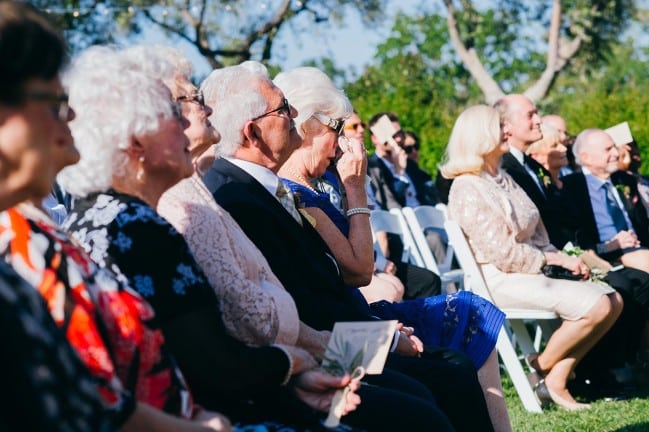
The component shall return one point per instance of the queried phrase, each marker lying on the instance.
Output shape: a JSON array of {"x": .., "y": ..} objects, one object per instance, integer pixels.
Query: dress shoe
[{"x": 545, "y": 396}]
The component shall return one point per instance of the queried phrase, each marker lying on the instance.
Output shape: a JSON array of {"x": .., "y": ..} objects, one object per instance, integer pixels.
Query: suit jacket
[
  {"x": 297, "y": 254},
  {"x": 547, "y": 201},
  {"x": 576, "y": 202}
]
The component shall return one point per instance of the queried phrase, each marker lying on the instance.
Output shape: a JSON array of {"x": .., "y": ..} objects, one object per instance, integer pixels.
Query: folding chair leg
[
  {"x": 516, "y": 373},
  {"x": 522, "y": 336}
]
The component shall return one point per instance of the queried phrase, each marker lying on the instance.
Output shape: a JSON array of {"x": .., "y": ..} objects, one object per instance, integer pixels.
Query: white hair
[
  {"x": 581, "y": 143},
  {"x": 234, "y": 94},
  {"x": 114, "y": 100},
  {"x": 170, "y": 66},
  {"x": 311, "y": 92}
]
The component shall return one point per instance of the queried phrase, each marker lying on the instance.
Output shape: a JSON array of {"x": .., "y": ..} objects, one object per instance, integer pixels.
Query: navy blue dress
[{"x": 462, "y": 321}]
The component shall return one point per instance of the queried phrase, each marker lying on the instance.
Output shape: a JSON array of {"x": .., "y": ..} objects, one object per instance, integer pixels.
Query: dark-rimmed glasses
[
  {"x": 58, "y": 102},
  {"x": 335, "y": 124},
  {"x": 284, "y": 108},
  {"x": 196, "y": 97}
]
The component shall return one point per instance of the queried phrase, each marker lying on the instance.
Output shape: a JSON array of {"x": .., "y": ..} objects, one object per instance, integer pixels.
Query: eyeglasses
[
  {"x": 355, "y": 126},
  {"x": 284, "y": 108},
  {"x": 335, "y": 124},
  {"x": 196, "y": 97},
  {"x": 58, "y": 103},
  {"x": 409, "y": 149}
]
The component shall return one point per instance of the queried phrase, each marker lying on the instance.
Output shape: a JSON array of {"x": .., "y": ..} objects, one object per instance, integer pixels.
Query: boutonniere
[
  {"x": 624, "y": 190},
  {"x": 545, "y": 180}
]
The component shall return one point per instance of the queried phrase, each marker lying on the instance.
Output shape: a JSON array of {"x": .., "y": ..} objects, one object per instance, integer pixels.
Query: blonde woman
[{"x": 511, "y": 246}]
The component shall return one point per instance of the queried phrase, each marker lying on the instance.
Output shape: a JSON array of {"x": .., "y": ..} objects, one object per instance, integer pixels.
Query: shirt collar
[
  {"x": 519, "y": 155},
  {"x": 268, "y": 179}
]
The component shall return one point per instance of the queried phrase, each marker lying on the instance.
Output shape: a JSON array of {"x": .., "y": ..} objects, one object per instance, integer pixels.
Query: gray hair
[
  {"x": 171, "y": 63},
  {"x": 234, "y": 94},
  {"x": 114, "y": 100},
  {"x": 581, "y": 142},
  {"x": 312, "y": 92}
]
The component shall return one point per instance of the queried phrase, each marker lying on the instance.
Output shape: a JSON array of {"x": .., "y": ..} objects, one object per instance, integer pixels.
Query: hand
[
  {"x": 575, "y": 265},
  {"x": 408, "y": 344},
  {"x": 214, "y": 421},
  {"x": 390, "y": 267},
  {"x": 352, "y": 165},
  {"x": 623, "y": 240},
  {"x": 316, "y": 388},
  {"x": 399, "y": 158}
]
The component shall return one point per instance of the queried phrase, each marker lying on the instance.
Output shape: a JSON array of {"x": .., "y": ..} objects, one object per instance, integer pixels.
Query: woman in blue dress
[{"x": 461, "y": 321}]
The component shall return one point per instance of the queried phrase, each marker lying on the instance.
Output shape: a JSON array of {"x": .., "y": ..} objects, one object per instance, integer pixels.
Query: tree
[
  {"x": 579, "y": 35},
  {"x": 223, "y": 31}
]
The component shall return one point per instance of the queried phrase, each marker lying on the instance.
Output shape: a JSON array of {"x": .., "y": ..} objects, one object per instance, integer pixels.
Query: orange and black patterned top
[{"x": 111, "y": 327}]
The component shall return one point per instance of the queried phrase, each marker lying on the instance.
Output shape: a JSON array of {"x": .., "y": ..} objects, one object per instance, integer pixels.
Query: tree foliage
[{"x": 223, "y": 31}]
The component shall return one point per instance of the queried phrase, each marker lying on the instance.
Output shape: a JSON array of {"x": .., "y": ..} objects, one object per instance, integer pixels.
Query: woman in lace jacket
[
  {"x": 511, "y": 245},
  {"x": 255, "y": 306}
]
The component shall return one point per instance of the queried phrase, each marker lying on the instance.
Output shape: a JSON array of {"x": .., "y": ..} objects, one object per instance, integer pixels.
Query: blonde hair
[
  {"x": 550, "y": 136},
  {"x": 476, "y": 132}
]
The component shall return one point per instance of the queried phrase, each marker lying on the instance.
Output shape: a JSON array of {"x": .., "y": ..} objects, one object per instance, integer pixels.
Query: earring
[{"x": 140, "y": 169}]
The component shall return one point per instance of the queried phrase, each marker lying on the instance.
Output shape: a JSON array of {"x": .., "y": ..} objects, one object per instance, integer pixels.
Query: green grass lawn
[{"x": 604, "y": 416}]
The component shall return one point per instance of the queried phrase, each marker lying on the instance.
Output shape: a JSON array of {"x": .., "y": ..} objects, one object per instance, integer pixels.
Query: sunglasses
[
  {"x": 196, "y": 97},
  {"x": 409, "y": 149},
  {"x": 284, "y": 108},
  {"x": 58, "y": 103},
  {"x": 335, "y": 124},
  {"x": 355, "y": 126}
]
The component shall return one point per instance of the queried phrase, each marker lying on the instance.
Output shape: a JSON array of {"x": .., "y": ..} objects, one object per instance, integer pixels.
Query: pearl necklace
[{"x": 301, "y": 180}]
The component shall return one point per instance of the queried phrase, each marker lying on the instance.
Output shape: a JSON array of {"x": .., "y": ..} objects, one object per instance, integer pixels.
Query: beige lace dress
[
  {"x": 508, "y": 239},
  {"x": 255, "y": 306}
]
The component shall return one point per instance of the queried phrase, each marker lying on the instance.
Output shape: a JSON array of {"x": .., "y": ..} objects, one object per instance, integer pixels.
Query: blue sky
[{"x": 350, "y": 44}]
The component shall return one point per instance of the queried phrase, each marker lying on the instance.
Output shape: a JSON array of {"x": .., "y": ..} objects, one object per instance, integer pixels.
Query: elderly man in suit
[
  {"x": 604, "y": 203},
  {"x": 258, "y": 135}
]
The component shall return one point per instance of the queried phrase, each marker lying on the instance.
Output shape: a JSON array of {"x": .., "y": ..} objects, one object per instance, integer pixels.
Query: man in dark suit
[
  {"x": 257, "y": 137},
  {"x": 607, "y": 213}
]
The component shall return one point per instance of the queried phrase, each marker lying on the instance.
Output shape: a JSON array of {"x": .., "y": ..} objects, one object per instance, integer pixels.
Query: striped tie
[{"x": 285, "y": 197}]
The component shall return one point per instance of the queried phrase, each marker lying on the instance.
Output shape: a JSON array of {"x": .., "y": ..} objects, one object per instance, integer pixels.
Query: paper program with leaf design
[
  {"x": 359, "y": 343},
  {"x": 355, "y": 348}
]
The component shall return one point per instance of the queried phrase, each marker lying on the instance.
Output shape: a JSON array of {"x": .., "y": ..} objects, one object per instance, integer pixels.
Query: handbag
[{"x": 558, "y": 272}]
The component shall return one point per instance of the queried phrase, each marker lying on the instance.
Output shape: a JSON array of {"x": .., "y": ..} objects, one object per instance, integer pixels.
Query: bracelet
[
  {"x": 358, "y": 210},
  {"x": 289, "y": 372}
]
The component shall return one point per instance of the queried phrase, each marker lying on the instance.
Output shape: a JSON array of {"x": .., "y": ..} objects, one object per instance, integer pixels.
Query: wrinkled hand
[
  {"x": 352, "y": 165},
  {"x": 624, "y": 239},
  {"x": 215, "y": 421},
  {"x": 408, "y": 344},
  {"x": 316, "y": 388}
]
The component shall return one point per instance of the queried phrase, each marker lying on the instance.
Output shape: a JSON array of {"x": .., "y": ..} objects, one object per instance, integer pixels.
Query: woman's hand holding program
[{"x": 352, "y": 165}]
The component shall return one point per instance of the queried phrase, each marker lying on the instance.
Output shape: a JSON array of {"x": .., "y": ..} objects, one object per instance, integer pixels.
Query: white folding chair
[
  {"x": 505, "y": 345},
  {"x": 420, "y": 219},
  {"x": 393, "y": 222}
]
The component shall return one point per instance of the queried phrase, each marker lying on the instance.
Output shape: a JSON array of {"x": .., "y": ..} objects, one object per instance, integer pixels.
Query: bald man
[{"x": 604, "y": 204}]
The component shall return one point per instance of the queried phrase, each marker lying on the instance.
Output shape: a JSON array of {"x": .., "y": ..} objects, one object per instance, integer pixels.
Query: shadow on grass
[{"x": 640, "y": 427}]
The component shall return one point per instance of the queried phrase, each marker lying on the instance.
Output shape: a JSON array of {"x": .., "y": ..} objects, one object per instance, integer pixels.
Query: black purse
[{"x": 558, "y": 272}]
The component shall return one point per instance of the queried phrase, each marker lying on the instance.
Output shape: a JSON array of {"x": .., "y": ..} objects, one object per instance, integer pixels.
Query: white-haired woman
[
  {"x": 550, "y": 153},
  {"x": 322, "y": 109},
  {"x": 255, "y": 306},
  {"x": 511, "y": 245},
  {"x": 126, "y": 163}
]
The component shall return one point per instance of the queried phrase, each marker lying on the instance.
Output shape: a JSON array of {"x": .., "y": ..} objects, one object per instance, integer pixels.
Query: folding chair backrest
[
  {"x": 393, "y": 222},
  {"x": 473, "y": 276}
]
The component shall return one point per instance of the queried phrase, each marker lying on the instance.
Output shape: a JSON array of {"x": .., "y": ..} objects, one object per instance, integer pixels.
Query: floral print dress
[{"x": 112, "y": 329}]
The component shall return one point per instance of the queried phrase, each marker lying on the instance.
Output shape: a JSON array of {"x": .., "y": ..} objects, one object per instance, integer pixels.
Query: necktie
[
  {"x": 285, "y": 197},
  {"x": 614, "y": 209}
]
